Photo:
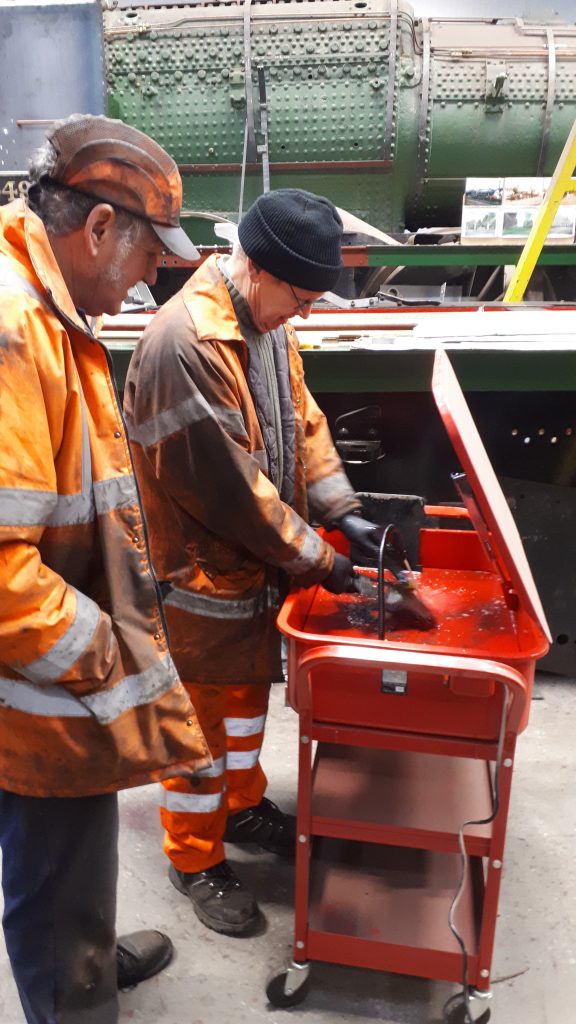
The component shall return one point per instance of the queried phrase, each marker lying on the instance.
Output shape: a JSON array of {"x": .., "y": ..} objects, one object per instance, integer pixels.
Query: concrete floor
[{"x": 220, "y": 980}]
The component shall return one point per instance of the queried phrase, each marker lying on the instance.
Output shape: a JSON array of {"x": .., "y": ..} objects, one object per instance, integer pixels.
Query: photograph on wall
[
  {"x": 518, "y": 222},
  {"x": 524, "y": 192},
  {"x": 504, "y": 210},
  {"x": 563, "y": 223},
  {"x": 480, "y": 223},
  {"x": 483, "y": 191}
]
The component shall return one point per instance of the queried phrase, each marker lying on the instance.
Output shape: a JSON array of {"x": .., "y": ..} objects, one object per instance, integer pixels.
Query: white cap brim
[{"x": 177, "y": 241}]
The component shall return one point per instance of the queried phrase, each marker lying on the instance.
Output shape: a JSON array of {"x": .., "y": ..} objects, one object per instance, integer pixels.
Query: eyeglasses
[{"x": 302, "y": 305}]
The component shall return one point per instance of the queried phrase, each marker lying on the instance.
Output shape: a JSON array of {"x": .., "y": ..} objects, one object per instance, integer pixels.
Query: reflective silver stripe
[
  {"x": 170, "y": 421},
  {"x": 218, "y": 767},
  {"x": 324, "y": 493},
  {"x": 190, "y": 803},
  {"x": 71, "y": 645},
  {"x": 72, "y": 509},
  {"x": 40, "y": 700},
  {"x": 262, "y": 459},
  {"x": 192, "y": 410},
  {"x": 22, "y": 507},
  {"x": 309, "y": 554},
  {"x": 133, "y": 691},
  {"x": 104, "y": 706},
  {"x": 117, "y": 492},
  {"x": 106, "y": 495},
  {"x": 239, "y": 760},
  {"x": 244, "y": 726},
  {"x": 214, "y": 607},
  {"x": 231, "y": 419},
  {"x": 10, "y": 278}
]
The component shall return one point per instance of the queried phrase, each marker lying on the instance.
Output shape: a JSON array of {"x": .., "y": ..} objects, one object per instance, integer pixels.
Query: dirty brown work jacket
[
  {"x": 90, "y": 700},
  {"x": 219, "y": 530}
]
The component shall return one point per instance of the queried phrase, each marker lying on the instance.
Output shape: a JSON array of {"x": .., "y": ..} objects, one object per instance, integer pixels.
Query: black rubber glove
[
  {"x": 340, "y": 580},
  {"x": 363, "y": 535}
]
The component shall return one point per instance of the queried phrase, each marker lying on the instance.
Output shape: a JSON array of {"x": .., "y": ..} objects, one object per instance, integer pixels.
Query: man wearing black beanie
[
  {"x": 295, "y": 236},
  {"x": 233, "y": 457}
]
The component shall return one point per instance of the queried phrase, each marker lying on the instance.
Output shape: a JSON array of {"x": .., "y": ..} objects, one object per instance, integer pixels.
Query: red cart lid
[{"x": 484, "y": 499}]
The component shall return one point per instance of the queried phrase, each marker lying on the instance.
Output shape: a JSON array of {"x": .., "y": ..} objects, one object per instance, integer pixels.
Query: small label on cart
[{"x": 394, "y": 681}]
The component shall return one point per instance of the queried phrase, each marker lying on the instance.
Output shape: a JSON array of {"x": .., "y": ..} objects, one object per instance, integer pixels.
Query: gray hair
[
  {"x": 61, "y": 209},
  {"x": 237, "y": 250}
]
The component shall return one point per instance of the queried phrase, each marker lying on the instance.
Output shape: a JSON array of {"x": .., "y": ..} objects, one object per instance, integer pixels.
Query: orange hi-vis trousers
[{"x": 194, "y": 812}]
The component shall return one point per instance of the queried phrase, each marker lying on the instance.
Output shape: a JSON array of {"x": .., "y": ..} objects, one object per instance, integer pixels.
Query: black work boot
[
  {"x": 140, "y": 955},
  {"x": 265, "y": 825},
  {"x": 219, "y": 898}
]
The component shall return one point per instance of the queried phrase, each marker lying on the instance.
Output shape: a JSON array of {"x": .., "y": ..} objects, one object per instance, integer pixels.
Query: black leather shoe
[
  {"x": 140, "y": 955},
  {"x": 219, "y": 899},
  {"x": 265, "y": 825}
]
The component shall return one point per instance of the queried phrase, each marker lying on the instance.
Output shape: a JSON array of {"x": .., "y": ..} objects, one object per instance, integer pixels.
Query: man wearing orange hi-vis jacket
[
  {"x": 90, "y": 699},
  {"x": 233, "y": 456}
]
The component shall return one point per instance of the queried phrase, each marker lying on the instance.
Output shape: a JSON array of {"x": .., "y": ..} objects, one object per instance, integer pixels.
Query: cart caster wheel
[
  {"x": 459, "y": 1015},
  {"x": 456, "y": 1011},
  {"x": 290, "y": 987}
]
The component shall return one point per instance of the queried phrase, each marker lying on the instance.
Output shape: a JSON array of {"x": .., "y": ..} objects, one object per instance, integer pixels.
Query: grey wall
[{"x": 51, "y": 65}]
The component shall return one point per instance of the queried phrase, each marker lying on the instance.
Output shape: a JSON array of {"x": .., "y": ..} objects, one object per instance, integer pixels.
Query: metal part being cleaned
[
  {"x": 392, "y": 547},
  {"x": 392, "y": 587},
  {"x": 366, "y": 579}
]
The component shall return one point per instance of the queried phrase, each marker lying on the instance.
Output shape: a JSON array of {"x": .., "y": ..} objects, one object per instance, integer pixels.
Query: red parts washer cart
[{"x": 402, "y": 814}]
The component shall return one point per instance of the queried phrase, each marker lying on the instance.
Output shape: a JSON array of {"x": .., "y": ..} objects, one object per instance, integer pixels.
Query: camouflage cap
[{"x": 105, "y": 158}]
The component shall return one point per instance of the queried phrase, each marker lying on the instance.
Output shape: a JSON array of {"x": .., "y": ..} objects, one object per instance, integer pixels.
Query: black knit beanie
[{"x": 295, "y": 236}]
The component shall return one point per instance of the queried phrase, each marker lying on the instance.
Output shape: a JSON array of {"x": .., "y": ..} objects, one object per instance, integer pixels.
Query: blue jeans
[{"x": 59, "y": 877}]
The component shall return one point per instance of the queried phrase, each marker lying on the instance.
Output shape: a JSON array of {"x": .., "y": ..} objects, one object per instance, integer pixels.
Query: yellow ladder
[{"x": 561, "y": 183}]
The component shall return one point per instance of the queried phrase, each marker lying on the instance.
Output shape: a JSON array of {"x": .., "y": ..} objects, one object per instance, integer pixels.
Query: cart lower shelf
[{"x": 387, "y": 908}]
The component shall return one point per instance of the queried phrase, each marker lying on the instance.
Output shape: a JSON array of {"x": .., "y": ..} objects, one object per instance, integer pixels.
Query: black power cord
[{"x": 462, "y": 999}]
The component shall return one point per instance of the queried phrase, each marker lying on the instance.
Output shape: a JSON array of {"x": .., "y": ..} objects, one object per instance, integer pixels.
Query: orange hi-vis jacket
[
  {"x": 90, "y": 700},
  {"x": 219, "y": 530}
]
